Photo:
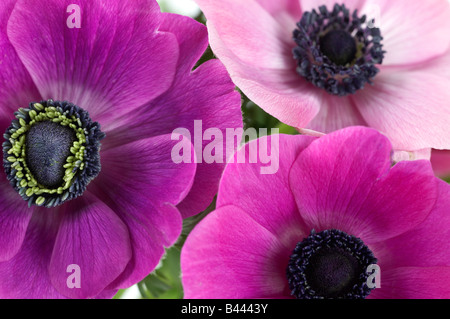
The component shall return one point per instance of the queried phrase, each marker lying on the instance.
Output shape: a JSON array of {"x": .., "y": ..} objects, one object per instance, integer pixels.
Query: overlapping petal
[
  {"x": 144, "y": 186},
  {"x": 345, "y": 181},
  {"x": 273, "y": 208},
  {"x": 342, "y": 181},
  {"x": 188, "y": 102},
  {"x": 94, "y": 239}
]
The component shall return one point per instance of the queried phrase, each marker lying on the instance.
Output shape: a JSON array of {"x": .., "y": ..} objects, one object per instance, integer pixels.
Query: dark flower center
[
  {"x": 330, "y": 265},
  {"x": 47, "y": 147},
  {"x": 51, "y": 152},
  {"x": 339, "y": 46},
  {"x": 336, "y": 51}
]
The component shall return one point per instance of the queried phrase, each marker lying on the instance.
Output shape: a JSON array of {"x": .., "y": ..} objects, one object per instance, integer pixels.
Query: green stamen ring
[{"x": 51, "y": 152}]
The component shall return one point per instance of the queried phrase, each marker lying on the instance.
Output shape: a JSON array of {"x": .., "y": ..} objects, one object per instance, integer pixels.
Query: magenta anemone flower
[
  {"x": 90, "y": 195},
  {"x": 325, "y": 65},
  {"x": 318, "y": 228}
]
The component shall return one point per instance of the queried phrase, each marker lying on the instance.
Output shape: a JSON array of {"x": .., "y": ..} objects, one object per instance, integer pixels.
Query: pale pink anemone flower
[
  {"x": 337, "y": 54},
  {"x": 335, "y": 206}
]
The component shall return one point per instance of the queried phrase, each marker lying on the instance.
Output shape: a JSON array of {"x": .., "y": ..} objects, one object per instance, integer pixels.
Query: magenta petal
[
  {"x": 426, "y": 245},
  {"x": 342, "y": 181},
  {"x": 95, "y": 239},
  {"x": 116, "y": 60},
  {"x": 239, "y": 259},
  {"x": 26, "y": 275},
  {"x": 414, "y": 283},
  {"x": 273, "y": 206},
  {"x": 14, "y": 218},
  {"x": 16, "y": 86}
]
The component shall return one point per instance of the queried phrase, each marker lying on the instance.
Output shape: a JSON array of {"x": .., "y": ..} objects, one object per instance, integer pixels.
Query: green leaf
[{"x": 165, "y": 281}]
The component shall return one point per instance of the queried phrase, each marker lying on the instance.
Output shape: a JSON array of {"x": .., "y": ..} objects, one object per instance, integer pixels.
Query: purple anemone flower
[
  {"x": 90, "y": 94},
  {"x": 337, "y": 220}
]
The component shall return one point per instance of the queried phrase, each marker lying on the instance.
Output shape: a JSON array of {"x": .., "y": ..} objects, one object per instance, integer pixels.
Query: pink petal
[
  {"x": 419, "y": 37},
  {"x": 280, "y": 92},
  {"x": 286, "y": 12},
  {"x": 414, "y": 283},
  {"x": 250, "y": 32},
  {"x": 143, "y": 190},
  {"x": 292, "y": 7},
  {"x": 342, "y": 181},
  {"x": 26, "y": 275},
  {"x": 308, "y": 5},
  {"x": 336, "y": 113},
  {"x": 272, "y": 206},
  {"x": 108, "y": 64},
  {"x": 94, "y": 238},
  {"x": 14, "y": 218},
  {"x": 426, "y": 245},
  {"x": 239, "y": 259},
  {"x": 416, "y": 115}
]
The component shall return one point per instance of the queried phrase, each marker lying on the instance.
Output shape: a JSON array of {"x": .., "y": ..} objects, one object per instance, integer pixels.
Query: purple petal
[
  {"x": 26, "y": 275},
  {"x": 145, "y": 169},
  {"x": 16, "y": 86},
  {"x": 153, "y": 228},
  {"x": 114, "y": 63},
  {"x": 144, "y": 184},
  {"x": 206, "y": 94},
  {"x": 92, "y": 237},
  {"x": 192, "y": 39},
  {"x": 14, "y": 218}
]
